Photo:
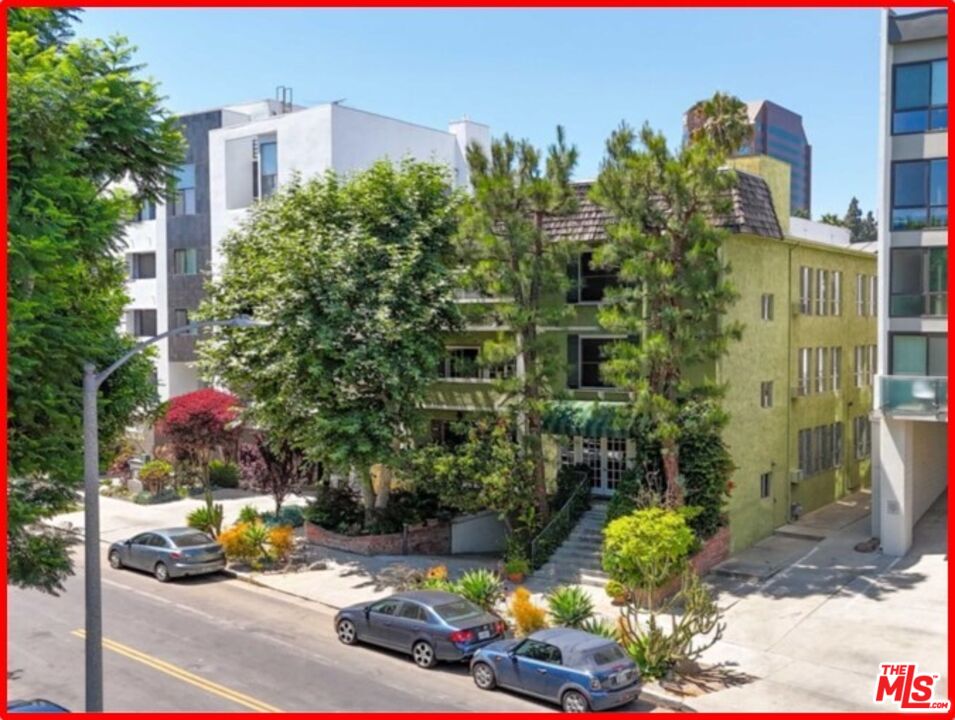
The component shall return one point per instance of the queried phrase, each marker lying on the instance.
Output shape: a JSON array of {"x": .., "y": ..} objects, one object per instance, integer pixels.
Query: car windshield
[
  {"x": 458, "y": 610},
  {"x": 191, "y": 539},
  {"x": 606, "y": 655}
]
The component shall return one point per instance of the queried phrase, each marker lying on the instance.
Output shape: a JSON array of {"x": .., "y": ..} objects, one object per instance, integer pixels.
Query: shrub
[
  {"x": 482, "y": 587},
  {"x": 568, "y": 479},
  {"x": 293, "y": 515},
  {"x": 281, "y": 540},
  {"x": 646, "y": 548},
  {"x": 248, "y": 514},
  {"x": 335, "y": 508},
  {"x": 155, "y": 474},
  {"x": 516, "y": 566},
  {"x": 207, "y": 519},
  {"x": 601, "y": 627},
  {"x": 148, "y": 498},
  {"x": 236, "y": 544},
  {"x": 257, "y": 535},
  {"x": 437, "y": 572},
  {"x": 223, "y": 474},
  {"x": 570, "y": 606},
  {"x": 615, "y": 589},
  {"x": 528, "y": 616}
]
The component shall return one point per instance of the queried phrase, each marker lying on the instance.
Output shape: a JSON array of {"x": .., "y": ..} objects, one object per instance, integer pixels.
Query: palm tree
[{"x": 724, "y": 120}]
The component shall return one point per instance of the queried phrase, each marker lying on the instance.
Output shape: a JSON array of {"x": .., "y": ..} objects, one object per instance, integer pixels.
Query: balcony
[{"x": 922, "y": 397}]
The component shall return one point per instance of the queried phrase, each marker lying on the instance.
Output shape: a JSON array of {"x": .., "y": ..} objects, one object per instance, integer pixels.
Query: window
[
  {"x": 385, "y": 607},
  {"x": 146, "y": 211},
  {"x": 588, "y": 282},
  {"x": 185, "y": 261},
  {"x": 412, "y": 611},
  {"x": 616, "y": 462},
  {"x": 920, "y": 194},
  {"x": 446, "y": 433},
  {"x": 835, "y": 368},
  {"x": 862, "y": 433},
  {"x": 765, "y": 485},
  {"x": 462, "y": 362},
  {"x": 766, "y": 307},
  {"x": 836, "y": 292},
  {"x": 821, "y": 366},
  {"x": 567, "y": 458},
  {"x": 920, "y": 97},
  {"x": 820, "y": 448},
  {"x": 183, "y": 200},
  {"x": 268, "y": 168},
  {"x": 861, "y": 367},
  {"x": 805, "y": 290},
  {"x": 861, "y": 286},
  {"x": 920, "y": 355},
  {"x": 766, "y": 394},
  {"x": 536, "y": 650},
  {"x": 591, "y": 458},
  {"x": 142, "y": 266},
  {"x": 144, "y": 323},
  {"x": 822, "y": 287},
  {"x": 804, "y": 371},
  {"x": 918, "y": 282},
  {"x": 592, "y": 354}
]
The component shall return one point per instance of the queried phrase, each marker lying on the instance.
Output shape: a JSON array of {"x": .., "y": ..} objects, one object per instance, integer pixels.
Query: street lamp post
[{"x": 94, "y": 599}]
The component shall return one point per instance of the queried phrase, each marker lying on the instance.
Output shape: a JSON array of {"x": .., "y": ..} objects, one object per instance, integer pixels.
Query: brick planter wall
[
  {"x": 714, "y": 551},
  {"x": 425, "y": 539}
]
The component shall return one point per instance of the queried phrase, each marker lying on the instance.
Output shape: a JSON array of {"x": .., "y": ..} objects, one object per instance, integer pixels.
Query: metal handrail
[{"x": 582, "y": 488}]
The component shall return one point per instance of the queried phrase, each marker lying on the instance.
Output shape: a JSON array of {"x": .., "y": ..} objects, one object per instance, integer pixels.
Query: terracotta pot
[{"x": 515, "y": 577}]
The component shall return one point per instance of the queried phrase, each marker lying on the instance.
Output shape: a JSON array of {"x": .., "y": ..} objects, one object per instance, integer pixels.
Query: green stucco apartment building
[{"x": 799, "y": 383}]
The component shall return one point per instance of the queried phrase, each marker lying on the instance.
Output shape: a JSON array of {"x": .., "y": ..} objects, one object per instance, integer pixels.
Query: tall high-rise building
[
  {"x": 779, "y": 133},
  {"x": 910, "y": 420}
]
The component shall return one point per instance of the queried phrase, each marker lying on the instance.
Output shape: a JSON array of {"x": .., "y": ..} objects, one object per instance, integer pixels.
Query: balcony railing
[{"x": 918, "y": 396}]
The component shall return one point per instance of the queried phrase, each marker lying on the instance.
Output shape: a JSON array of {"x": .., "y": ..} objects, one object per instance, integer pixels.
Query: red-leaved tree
[
  {"x": 200, "y": 425},
  {"x": 276, "y": 468}
]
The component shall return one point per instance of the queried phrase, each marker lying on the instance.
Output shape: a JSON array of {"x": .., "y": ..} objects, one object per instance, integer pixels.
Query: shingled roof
[{"x": 752, "y": 212}]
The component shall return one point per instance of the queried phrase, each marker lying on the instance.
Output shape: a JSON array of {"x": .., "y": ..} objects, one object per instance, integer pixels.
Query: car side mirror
[{"x": 127, "y": 542}]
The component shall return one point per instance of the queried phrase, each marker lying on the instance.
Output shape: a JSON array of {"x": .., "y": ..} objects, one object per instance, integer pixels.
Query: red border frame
[{"x": 443, "y": 4}]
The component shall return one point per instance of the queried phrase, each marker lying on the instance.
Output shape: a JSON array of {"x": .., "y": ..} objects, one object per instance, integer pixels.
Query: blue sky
[{"x": 525, "y": 71}]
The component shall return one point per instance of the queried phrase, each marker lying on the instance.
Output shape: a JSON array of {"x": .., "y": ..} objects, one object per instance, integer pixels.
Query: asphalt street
[{"x": 219, "y": 644}]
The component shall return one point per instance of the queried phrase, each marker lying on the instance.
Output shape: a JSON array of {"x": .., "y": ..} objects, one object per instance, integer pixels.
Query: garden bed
[{"x": 431, "y": 538}]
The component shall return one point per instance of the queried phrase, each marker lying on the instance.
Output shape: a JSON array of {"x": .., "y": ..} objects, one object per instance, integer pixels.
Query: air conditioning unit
[{"x": 795, "y": 476}]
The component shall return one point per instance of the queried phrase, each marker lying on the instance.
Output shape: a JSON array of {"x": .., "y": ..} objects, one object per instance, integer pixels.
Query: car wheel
[
  {"x": 115, "y": 561},
  {"x": 347, "y": 632},
  {"x": 483, "y": 676},
  {"x": 575, "y": 702},
  {"x": 423, "y": 655},
  {"x": 161, "y": 572}
]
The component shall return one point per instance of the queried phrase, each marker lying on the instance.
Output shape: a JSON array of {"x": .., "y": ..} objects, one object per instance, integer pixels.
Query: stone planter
[{"x": 427, "y": 539}]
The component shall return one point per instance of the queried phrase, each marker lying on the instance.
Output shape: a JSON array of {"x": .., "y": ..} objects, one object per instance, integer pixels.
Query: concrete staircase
[{"x": 577, "y": 560}]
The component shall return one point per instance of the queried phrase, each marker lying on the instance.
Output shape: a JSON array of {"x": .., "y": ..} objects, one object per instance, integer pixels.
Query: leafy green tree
[
  {"x": 506, "y": 254},
  {"x": 81, "y": 118},
  {"x": 802, "y": 213},
  {"x": 674, "y": 288},
  {"x": 354, "y": 276},
  {"x": 831, "y": 219}
]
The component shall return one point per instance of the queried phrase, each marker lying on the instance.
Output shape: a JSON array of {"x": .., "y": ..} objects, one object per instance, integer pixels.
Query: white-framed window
[
  {"x": 590, "y": 457},
  {"x": 805, "y": 290},
  {"x": 616, "y": 462},
  {"x": 766, "y": 307},
  {"x": 765, "y": 485},
  {"x": 606, "y": 459},
  {"x": 766, "y": 394},
  {"x": 268, "y": 167},
  {"x": 859, "y": 370},
  {"x": 861, "y": 287},
  {"x": 835, "y": 368},
  {"x": 804, "y": 372},
  {"x": 822, "y": 288},
  {"x": 822, "y": 355},
  {"x": 837, "y": 292},
  {"x": 185, "y": 261}
]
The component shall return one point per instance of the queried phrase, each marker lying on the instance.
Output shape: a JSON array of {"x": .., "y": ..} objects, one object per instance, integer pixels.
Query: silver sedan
[{"x": 169, "y": 553}]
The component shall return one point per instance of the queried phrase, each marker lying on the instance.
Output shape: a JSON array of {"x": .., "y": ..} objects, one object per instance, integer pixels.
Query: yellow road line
[{"x": 184, "y": 675}]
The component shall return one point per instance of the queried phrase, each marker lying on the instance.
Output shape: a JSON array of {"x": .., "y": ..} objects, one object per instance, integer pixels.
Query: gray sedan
[
  {"x": 169, "y": 553},
  {"x": 429, "y": 625}
]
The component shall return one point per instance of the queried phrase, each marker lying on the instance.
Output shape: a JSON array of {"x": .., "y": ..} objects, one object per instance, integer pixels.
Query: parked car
[
  {"x": 577, "y": 670},
  {"x": 430, "y": 625},
  {"x": 170, "y": 553},
  {"x": 34, "y": 706}
]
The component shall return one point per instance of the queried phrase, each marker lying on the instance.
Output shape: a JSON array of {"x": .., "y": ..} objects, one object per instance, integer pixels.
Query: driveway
[{"x": 811, "y": 636}]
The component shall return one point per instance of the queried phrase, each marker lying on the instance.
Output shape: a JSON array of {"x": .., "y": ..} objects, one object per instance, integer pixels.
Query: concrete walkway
[{"x": 811, "y": 636}]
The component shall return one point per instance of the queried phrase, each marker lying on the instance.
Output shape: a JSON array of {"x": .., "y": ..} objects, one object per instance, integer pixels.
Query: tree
[
  {"x": 674, "y": 287},
  {"x": 279, "y": 471},
  {"x": 197, "y": 426},
  {"x": 506, "y": 254},
  {"x": 723, "y": 120},
  {"x": 801, "y": 213},
  {"x": 81, "y": 118},
  {"x": 354, "y": 275},
  {"x": 831, "y": 219},
  {"x": 853, "y": 218}
]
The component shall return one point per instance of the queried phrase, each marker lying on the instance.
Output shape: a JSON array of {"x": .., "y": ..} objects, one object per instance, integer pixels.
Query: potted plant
[
  {"x": 616, "y": 591},
  {"x": 516, "y": 568}
]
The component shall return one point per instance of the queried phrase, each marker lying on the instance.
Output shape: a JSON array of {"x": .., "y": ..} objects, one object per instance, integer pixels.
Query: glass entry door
[{"x": 606, "y": 460}]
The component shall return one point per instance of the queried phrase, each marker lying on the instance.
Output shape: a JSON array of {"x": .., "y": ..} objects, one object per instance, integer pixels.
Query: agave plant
[
  {"x": 482, "y": 587},
  {"x": 601, "y": 627},
  {"x": 207, "y": 518},
  {"x": 570, "y": 606}
]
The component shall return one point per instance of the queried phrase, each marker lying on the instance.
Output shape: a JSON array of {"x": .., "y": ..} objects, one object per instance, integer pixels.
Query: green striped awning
[{"x": 588, "y": 419}]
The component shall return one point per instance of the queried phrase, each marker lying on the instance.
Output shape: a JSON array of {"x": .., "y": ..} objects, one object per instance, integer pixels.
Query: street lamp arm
[{"x": 139, "y": 347}]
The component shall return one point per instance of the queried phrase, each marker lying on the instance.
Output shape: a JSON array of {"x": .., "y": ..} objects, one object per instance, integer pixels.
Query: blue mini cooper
[{"x": 577, "y": 670}]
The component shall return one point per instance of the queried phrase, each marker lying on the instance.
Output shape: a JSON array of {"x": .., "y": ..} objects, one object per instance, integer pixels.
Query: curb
[
  {"x": 660, "y": 697},
  {"x": 228, "y": 572}
]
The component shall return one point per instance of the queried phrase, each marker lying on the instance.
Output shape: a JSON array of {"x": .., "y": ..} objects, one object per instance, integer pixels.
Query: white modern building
[
  {"x": 237, "y": 155},
  {"x": 910, "y": 420}
]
